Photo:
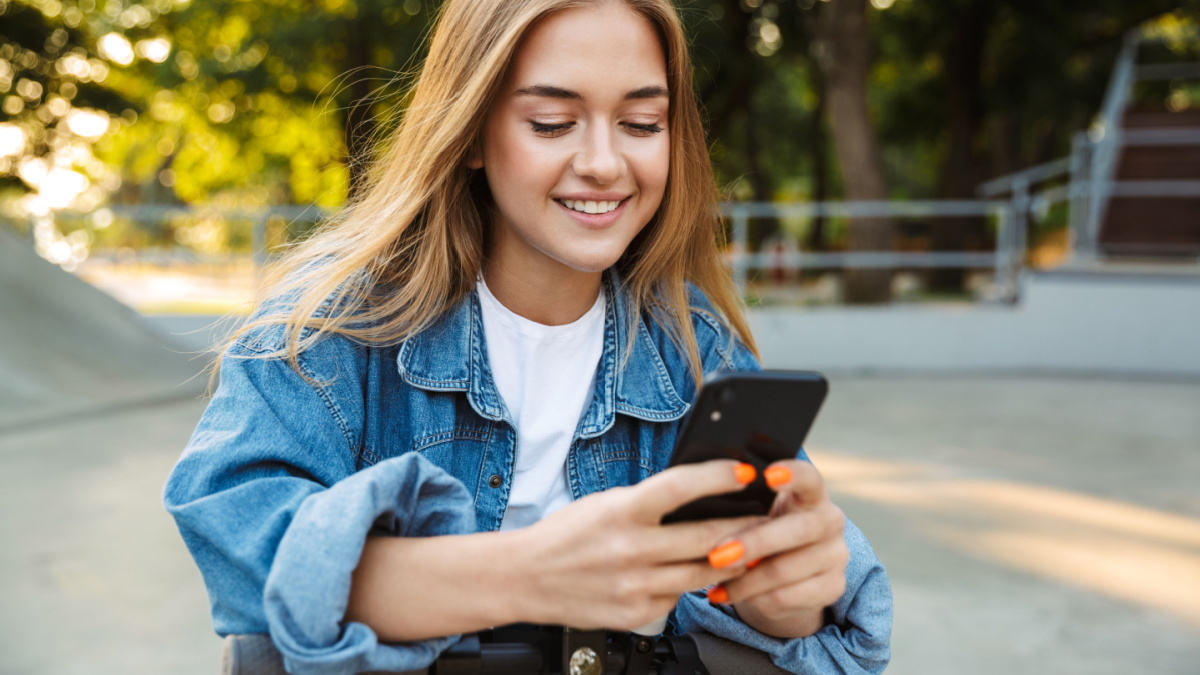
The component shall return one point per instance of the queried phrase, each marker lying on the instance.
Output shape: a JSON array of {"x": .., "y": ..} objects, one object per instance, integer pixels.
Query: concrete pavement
[{"x": 1029, "y": 524}]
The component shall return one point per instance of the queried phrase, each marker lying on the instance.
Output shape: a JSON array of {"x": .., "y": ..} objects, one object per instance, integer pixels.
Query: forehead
[{"x": 607, "y": 45}]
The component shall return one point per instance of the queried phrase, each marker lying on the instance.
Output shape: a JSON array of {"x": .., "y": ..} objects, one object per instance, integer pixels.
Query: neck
[{"x": 552, "y": 295}]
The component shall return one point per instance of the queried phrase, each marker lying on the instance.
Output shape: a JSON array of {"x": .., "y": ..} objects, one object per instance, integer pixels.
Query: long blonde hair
[{"x": 411, "y": 244}]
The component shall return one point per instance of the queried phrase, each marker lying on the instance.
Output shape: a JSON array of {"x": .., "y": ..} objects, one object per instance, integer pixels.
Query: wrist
[
  {"x": 510, "y": 573},
  {"x": 798, "y": 625}
]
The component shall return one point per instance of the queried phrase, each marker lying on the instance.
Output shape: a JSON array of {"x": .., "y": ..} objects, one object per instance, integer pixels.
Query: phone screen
[{"x": 753, "y": 417}]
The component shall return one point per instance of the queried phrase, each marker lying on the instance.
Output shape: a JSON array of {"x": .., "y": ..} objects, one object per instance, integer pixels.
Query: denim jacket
[{"x": 284, "y": 478}]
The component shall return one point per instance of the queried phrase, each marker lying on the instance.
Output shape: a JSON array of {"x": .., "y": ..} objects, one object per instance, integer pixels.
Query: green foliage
[{"x": 254, "y": 102}]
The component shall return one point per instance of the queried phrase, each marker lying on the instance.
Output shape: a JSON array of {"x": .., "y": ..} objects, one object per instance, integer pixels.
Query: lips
[{"x": 594, "y": 213}]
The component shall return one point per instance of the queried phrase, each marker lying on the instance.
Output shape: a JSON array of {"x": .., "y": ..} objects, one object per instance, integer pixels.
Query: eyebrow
[{"x": 549, "y": 91}]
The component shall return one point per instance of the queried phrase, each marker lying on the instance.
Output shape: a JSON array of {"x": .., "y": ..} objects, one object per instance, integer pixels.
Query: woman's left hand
[{"x": 797, "y": 559}]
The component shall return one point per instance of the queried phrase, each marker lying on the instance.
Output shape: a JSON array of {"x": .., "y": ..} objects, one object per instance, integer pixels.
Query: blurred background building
[{"x": 980, "y": 217}]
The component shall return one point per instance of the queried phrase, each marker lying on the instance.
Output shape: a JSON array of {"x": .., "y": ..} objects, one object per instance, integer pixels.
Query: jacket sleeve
[
  {"x": 856, "y": 637},
  {"x": 267, "y": 500}
]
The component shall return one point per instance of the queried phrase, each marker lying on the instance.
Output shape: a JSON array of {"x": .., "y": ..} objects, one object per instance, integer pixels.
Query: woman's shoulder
[
  {"x": 719, "y": 345},
  {"x": 290, "y": 314}
]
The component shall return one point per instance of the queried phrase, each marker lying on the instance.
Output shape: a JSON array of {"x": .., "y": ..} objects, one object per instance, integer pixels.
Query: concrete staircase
[{"x": 1156, "y": 146}]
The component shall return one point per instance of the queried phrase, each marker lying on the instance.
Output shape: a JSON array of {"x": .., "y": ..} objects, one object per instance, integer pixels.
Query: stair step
[
  {"x": 1160, "y": 119},
  {"x": 1159, "y": 162},
  {"x": 1152, "y": 226},
  {"x": 1167, "y": 136}
]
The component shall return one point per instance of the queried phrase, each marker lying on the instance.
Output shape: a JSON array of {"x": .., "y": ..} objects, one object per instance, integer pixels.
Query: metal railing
[
  {"x": 1091, "y": 168},
  {"x": 1006, "y": 259},
  {"x": 1085, "y": 180}
]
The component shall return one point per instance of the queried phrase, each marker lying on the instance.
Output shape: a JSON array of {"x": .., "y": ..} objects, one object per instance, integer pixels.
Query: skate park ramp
[{"x": 67, "y": 348}]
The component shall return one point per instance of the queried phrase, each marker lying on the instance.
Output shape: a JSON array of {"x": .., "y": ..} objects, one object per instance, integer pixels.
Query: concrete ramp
[{"x": 67, "y": 348}]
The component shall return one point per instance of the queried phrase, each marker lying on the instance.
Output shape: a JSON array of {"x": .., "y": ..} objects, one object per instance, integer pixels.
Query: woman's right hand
[{"x": 604, "y": 561}]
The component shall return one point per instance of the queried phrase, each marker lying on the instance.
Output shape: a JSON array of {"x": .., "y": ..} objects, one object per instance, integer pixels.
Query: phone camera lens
[{"x": 726, "y": 395}]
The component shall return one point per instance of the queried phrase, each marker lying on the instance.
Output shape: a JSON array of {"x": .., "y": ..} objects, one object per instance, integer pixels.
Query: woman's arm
[
  {"x": 602, "y": 561},
  {"x": 444, "y": 585}
]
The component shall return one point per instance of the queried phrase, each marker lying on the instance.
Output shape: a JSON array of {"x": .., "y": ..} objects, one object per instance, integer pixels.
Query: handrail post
[
  {"x": 1020, "y": 234},
  {"x": 1108, "y": 144},
  {"x": 1078, "y": 191},
  {"x": 1000, "y": 272}
]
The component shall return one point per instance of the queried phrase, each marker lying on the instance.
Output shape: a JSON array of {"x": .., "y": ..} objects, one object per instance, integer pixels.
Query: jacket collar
[{"x": 451, "y": 355}]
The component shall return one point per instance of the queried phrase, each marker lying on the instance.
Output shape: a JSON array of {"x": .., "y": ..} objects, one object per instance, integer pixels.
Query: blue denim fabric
[{"x": 284, "y": 478}]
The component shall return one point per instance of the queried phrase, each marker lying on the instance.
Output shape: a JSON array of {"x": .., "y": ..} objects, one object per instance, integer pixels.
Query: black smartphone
[{"x": 753, "y": 417}]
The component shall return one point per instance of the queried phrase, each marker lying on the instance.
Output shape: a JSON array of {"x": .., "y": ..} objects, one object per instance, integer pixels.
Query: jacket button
[{"x": 495, "y": 480}]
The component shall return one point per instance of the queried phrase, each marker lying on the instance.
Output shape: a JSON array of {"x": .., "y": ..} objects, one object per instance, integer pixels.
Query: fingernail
[
  {"x": 753, "y": 563},
  {"x": 777, "y": 475},
  {"x": 726, "y": 554},
  {"x": 718, "y": 595},
  {"x": 745, "y": 473}
]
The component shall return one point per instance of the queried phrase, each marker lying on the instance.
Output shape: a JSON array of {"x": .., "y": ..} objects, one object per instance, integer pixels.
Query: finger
[
  {"x": 793, "y": 530},
  {"x": 788, "y": 569},
  {"x": 815, "y": 592},
  {"x": 692, "y": 541},
  {"x": 680, "y": 578},
  {"x": 664, "y": 492},
  {"x": 798, "y": 477}
]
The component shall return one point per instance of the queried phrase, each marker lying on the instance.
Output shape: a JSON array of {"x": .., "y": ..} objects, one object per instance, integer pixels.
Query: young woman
[{"x": 455, "y": 408}]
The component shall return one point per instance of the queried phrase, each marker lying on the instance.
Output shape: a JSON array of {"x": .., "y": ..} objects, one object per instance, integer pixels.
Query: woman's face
[{"x": 576, "y": 149}]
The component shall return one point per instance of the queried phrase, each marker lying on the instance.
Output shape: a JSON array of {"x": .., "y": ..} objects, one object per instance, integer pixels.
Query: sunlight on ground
[
  {"x": 1134, "y": 553},
  {"x": 198, "y": 288}
]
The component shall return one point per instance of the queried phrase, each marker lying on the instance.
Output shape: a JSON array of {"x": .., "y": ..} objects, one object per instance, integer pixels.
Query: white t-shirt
[{"x": 546, "y": 375}]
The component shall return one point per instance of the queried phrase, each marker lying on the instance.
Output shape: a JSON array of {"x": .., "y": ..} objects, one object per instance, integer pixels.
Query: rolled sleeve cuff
[
  {"x": 308, "y": 588},
  {"x": 856, "y": 641}
]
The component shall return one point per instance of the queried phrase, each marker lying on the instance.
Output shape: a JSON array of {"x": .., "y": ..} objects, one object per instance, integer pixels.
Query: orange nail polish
[
  {"x": 726, "y": 554},
  {"x": 745, "y": 473},
  {"x": 718, "y": 594},
  {"x": 777, "y": 475},
  {"x": 753, "y": 563}
]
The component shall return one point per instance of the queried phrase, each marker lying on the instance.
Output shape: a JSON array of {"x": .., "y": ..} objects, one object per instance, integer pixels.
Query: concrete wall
[{"x": 1134, "y": 324}]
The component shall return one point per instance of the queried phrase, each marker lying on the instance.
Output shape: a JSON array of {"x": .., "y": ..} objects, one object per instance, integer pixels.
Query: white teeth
[{"x": 590, "y": 206}]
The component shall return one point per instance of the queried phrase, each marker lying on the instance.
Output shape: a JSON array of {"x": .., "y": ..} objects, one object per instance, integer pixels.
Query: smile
[{"x": 589, "y": 207}]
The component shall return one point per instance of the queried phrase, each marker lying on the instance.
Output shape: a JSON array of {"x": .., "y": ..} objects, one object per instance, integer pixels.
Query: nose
[{"x": 599, "y": 159}]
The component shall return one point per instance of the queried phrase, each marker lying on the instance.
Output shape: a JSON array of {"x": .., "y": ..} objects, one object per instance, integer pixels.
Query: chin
[
  {"x": 589, "y": 266},
  {"x": 599, "y": 264},
  {"x": 592, "y": 261}
]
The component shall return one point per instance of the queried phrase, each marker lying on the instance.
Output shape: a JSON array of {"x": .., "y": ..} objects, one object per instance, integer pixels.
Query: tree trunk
[
  {"x": 760, "y": 182},
  {"x": 963, "y": 167},
  {"x": 360, "y": 123},
  {"x": 817, "y": 239},
  {"x": 845, "y": 62}
]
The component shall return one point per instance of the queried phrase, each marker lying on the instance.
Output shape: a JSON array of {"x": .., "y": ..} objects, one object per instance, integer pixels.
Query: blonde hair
[{"x": 411, "y": 244}]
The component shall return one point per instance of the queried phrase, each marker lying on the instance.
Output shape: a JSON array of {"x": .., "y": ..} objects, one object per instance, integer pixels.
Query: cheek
[
  {"x": 654, "y": 166},
  {"x": 526, "y": 166}
]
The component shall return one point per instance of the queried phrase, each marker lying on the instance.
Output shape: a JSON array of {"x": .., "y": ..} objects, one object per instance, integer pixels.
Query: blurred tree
[
  {"x": 977, "y": 88},
  {"x": 276, "y": 101},
  {"x": 845, "y": 62},
  {"x": 330, "y": 65},
  {"x": 54, "y": 104}
]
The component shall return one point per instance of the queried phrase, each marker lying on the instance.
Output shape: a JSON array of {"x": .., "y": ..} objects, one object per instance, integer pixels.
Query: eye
[
  {"x": 643, "y": 129},
  {"x": 551, "y": 130}
]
